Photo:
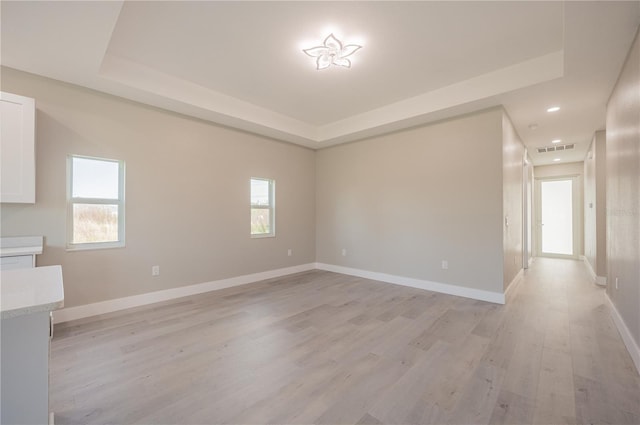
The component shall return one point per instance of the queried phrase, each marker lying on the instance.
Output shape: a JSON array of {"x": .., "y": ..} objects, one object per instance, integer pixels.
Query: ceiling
[{"x": 241, "y": 64}]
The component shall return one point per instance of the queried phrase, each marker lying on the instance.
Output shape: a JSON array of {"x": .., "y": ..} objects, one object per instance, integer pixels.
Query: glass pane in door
[{"x": 557, "y": 217}]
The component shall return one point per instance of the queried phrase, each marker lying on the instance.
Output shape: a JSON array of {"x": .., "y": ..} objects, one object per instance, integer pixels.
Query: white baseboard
[
  {"x": 599, "y": 280},
  {"x": 109, "y": 306},
  {"x": 516, "y": 280},
  {"x": 461, "y": 291},
  {"x": 629, "y": 342},
  {"x": 87, "y": 310}
]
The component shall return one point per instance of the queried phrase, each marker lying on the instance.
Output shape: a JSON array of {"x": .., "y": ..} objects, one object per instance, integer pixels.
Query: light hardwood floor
[{"x": 319, "y": 347}]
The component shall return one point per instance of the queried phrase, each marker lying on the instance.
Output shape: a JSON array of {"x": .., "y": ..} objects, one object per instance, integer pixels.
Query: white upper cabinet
[{"x": 17, "y": 150}]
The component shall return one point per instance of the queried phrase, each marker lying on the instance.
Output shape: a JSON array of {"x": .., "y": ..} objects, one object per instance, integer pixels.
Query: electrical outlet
[
  {"x": 344, "y": 252},
  {"x": 155, "y": 271},
  {"x": 445, "y": 265},
  {"x": 289, "y": 252},
  {"x": 616, "y": 283}
]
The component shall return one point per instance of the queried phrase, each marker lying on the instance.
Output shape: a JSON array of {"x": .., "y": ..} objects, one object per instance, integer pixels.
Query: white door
[{"x": 557, "y": 222}]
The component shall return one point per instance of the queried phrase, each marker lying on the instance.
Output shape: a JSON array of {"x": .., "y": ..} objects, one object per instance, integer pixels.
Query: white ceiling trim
[
  {"x": 572, "y": 56},
  {"x": 183, "y": 96},
  {"x": 524, "y": 74}
]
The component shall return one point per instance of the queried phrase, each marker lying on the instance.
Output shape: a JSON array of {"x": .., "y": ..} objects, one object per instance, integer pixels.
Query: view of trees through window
[
  {"x": 260, "y": 223},
  {"x": 261, "y": 207},
  {"x": 95, "y": 223},
  {"x": 96, "y": 201}
]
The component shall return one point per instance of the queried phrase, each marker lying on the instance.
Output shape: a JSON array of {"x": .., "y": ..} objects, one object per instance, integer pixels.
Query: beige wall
[
  {"x": 402, "y": 203},
  {"x": 623, "y": 192},
  {"x": 187, "y": 194},
  {"x": 595, "y": 204},
  {"x": 512, "y": 199},
  {"x": 559, "y": 170},
  {"x": 398, "y": 204},
  {"x": 563, "y": 170}
]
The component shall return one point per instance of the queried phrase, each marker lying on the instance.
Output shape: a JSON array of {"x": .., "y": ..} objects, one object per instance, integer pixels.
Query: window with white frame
[
  {"x": 95, "y": 203},
  {"x": 262, "y": 207}
]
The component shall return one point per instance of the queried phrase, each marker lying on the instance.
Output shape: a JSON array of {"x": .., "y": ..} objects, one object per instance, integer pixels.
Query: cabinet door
[
  {"x": 17, "y": 150},
  {"x": 17, "y": 262},
  {"x": 24, "y": 359}
]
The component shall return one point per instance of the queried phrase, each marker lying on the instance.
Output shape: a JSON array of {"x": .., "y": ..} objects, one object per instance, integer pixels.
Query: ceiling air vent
[{"x": 555, "y": 148}]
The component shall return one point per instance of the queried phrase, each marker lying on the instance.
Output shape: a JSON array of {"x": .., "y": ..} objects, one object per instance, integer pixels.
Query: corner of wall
[{"x": 513, "y": 156}]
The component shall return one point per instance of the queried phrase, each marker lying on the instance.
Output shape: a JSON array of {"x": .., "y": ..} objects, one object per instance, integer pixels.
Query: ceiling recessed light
[
  {"x": 556, "y": 159},
  {"x": 556, "y": 141},
  {"x": 332, "y": 52},
  {"x": 553, "y": 109}
]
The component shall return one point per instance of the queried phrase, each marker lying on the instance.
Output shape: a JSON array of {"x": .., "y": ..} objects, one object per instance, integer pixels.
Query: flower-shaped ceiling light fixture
[{"x": 332, "y": 53}]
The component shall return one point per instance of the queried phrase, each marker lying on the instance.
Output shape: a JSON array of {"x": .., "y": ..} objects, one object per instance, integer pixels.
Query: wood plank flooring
[{"x": 320, "y": 347}]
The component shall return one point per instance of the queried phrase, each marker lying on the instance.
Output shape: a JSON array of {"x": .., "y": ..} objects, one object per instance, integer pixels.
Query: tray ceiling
[{"x": 241, "y": 64}]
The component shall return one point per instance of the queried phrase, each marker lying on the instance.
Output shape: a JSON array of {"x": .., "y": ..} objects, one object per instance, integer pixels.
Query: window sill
[
  {"x": 261, "y": 236},
  {"x": 95, "y": 246}
]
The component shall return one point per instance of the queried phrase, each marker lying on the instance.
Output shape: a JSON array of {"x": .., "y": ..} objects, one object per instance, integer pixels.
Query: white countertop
[
  {"x": 20, "y": 245},
  {"x": 26, "y": 291}
]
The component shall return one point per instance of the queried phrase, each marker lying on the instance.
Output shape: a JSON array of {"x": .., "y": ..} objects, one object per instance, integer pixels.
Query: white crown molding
[
  {"x": 125, "y": 77},
  {"x": 520, "y": 75},
  {"x": 179, "y": 95}
]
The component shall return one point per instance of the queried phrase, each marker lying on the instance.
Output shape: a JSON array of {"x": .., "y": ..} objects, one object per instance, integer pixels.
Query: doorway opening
[{"x": 557, "y": 218}]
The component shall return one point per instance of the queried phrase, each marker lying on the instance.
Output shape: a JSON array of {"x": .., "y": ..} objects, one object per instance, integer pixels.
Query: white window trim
[
  {"x": 271, "y": 207},
  {"x": 120, "y": 243}
]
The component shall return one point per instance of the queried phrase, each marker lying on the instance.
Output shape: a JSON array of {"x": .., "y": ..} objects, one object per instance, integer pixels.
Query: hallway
[
  {"x": 584, "y": 369},
  {"x": 320, "y": 347}
]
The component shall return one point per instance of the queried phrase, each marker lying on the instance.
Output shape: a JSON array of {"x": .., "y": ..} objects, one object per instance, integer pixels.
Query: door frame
[
  {"x": 576, "y": 219},
  {"x": 528, "y": 251}
]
